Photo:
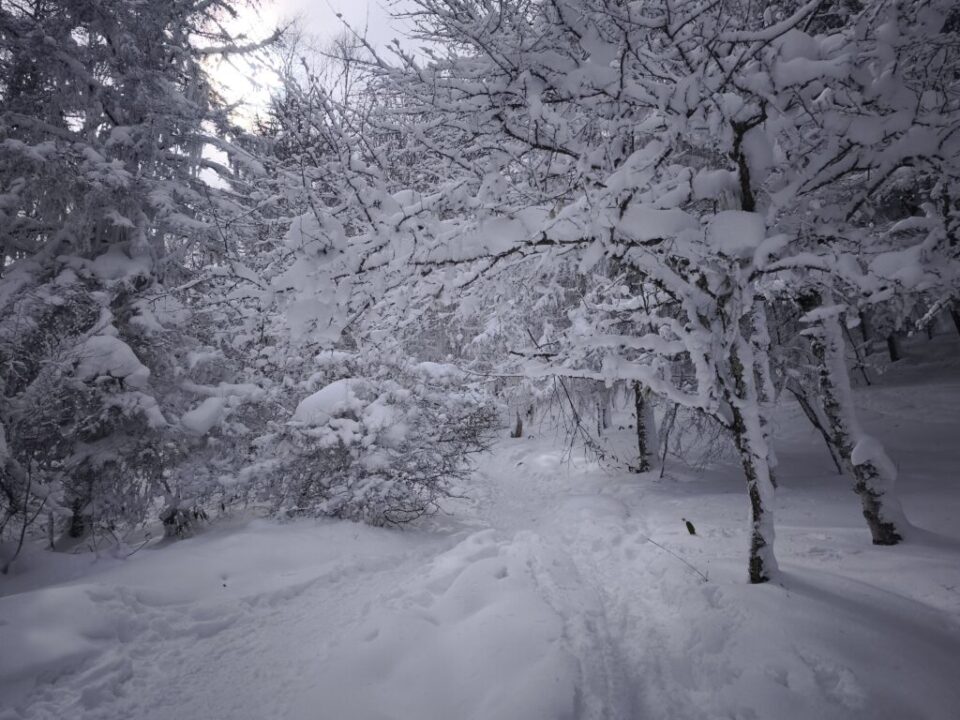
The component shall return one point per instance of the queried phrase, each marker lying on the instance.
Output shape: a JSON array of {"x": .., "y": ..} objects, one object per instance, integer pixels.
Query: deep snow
[{"x": 539, "y": 596}]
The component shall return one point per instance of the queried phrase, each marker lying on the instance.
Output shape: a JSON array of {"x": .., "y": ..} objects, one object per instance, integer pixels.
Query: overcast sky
[
  {"x": 317, "y": 17},
  {"x": 320, "y": 16}
]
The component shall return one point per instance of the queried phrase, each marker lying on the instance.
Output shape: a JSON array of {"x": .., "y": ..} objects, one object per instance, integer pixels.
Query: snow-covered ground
[{"x": 542, "y": 595}]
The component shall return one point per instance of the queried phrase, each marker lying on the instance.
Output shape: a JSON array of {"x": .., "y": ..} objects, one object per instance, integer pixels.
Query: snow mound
[
  {"x": 205, "y": 416},
  {"x": 106, "y": 356},
  {"x": 52, "y": 634},
  {"x": 472, "y": 639},
  {"x": 736, "y": 233},
  {"x": 330, "y": 401},
  {"x": 795, "y": 44},
  {"x": 115, "y": 264},
  {"x": 643, "y": 223},
  {"x": 439, "y": 372}
]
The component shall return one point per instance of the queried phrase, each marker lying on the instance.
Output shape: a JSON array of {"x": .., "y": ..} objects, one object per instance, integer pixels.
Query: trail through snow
[{"x": 539, "y": 596}]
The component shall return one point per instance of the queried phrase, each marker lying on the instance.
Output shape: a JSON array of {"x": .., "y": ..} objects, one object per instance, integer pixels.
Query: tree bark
[
  {"x": 517, "y": 431},
  {"x": 819, "y": 423},
  {"x": 23, "y": 526},
  {"x": 873, "y": 472},
  {"x": 893, "y": 347},
  {"x": 861, "y": 361},
  {"x": 866, "y": 329},
  {"x": 760, "y": 347},
  {"x": 747, "y": 426},
  {"x": 647, "y": 443},
  {"x": 78, "y": 523}
]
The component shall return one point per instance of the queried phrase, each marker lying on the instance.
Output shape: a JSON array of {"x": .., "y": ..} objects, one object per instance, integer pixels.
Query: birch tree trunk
[
  {"x": 766, "y": 392},
  {"x": 748, "y": 435},
  {"x": 647, "y": 440},
  {"x": 873, "y": 472},
  {"x": 815, "y": 416}
]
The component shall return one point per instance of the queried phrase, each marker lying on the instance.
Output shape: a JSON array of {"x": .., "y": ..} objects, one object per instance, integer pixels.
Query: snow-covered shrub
[
  {"x": 82, "y": 424},
  {"x": 382, "y": 447}
]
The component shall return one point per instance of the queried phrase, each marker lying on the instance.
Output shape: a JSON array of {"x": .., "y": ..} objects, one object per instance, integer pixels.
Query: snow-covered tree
[
  {"x": 694, "y": 145},
  {"x": 867, "y": 190},
  {"x": 598, "y": 196},
  {"x": 110, "y": 209}
]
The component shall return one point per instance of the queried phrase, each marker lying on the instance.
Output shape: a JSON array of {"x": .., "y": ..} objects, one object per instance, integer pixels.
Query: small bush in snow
[{"x": 382, "y": 448}]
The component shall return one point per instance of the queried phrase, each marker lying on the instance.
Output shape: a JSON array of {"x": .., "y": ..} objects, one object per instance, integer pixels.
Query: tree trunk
[
  {"x": 78, "y": 523},
  {"x": 748, "y": 435},
  {"x": 647, "y": 442},
  {"x": 866, "y": 329},
  {"x": 669, "y": 421},
  {"x": 873, "y": 472},
  {"x": 819, "y": 423},
  {"x": 861, "y": 361},
  {"x": 766, "y": 393},
  {"x": 603, "y": 410},
  {"x": 893, "y": 347},
  {"x": 518, "y": 428},
  {"x": 955, "y": 314}
]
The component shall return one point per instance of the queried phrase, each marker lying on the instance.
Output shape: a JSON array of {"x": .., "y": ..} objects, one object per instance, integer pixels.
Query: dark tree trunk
[
  {"x": 518, "y": 428},
  {"x": 861, "y": 362},
  {"x": 893, "y": 347},
  {"x": 669, "y": 422},
  {"x": 78, "y": 523},
  {"x": 603, "y": 417},
  {"x": 866, "y": 330}
]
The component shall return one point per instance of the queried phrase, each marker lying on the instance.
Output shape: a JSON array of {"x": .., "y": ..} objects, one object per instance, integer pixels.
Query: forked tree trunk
[
  {"x": 647, "y": 440},
  {"x": 873, "y": 472},
  {"x": 748, "y": 436}
]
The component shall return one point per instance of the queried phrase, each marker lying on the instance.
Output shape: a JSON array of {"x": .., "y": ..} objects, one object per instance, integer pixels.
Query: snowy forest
[{"x": 555, "y": 360}]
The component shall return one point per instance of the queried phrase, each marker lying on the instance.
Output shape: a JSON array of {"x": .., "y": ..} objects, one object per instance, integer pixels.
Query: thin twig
[{"x": 670, "y": 552}]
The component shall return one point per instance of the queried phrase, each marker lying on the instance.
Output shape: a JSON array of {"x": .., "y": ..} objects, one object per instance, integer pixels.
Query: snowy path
[
  {"x": 619, "y": 594},
  {"x": 539, "y": 598},
  {"x": 235, "y": 635},
  {"x": 532, "y": 498},
  {"x": 654, "y": 641}
]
